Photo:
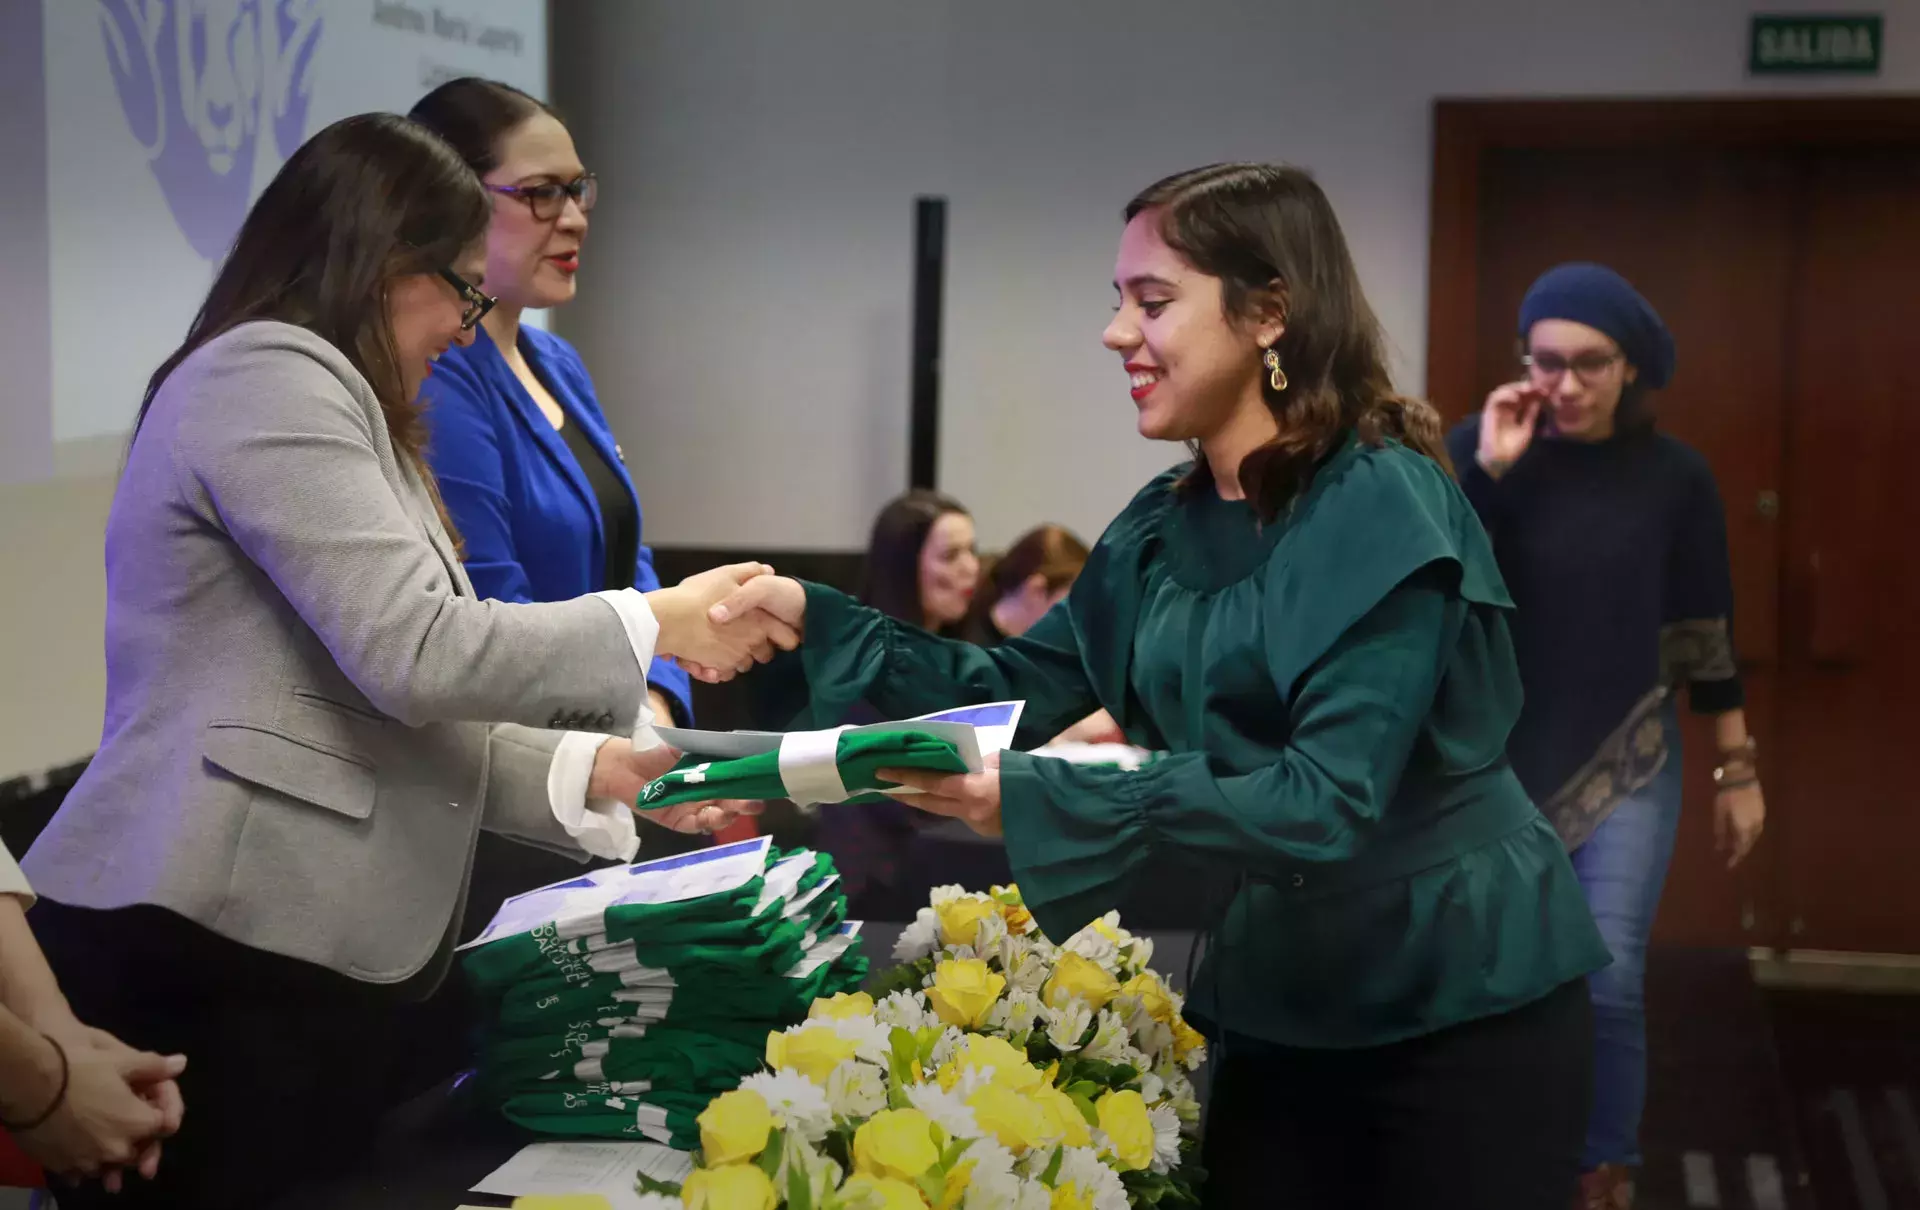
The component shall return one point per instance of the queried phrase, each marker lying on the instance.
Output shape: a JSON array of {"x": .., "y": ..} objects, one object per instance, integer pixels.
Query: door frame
[{"x": 1465, "y": 130}]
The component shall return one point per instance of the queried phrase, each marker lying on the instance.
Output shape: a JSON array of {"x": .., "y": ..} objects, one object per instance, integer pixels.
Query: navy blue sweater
[{"x": 1602, "y": 546}]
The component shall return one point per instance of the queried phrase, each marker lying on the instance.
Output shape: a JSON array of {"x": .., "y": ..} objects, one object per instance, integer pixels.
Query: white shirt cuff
[
  {"x": 643, "y": 633},
  {"x": 602, "y": 826}
]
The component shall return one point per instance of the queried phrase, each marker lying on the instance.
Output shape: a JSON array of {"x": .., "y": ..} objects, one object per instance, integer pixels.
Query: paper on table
[
  {"x": 976, "y": 730},
  {"x": 604, "y": 1168},
  {"x": 577, "y": 903}
]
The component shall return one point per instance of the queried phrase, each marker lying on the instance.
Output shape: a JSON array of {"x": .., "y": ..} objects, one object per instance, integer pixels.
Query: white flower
[
  {"x": 1142, "y": 955},
  {"x": 1152, "y": 1088},
  {"x": 822, "y": 1173},
  {"x": 958, "y": 953},
  {"x": 656, "y": 1201},
  {"x": 948, "y": 1110},
  {"x": 920, "y": 938},
  {"x": 873, "y": 1041},
  {"x": 1082, "y": 1167},
  {"x": 1030, "y": 973},
  {"x": 1014, "y": 1014},
  {"x": 1166, "y": 1138},
  {"x": 905, "y": 1010},
  {"x": 1112, "y": 1043},
  {"x": 991, "y": 1182},
  {"x": 1067, "y": 1024},
  {"x": 992, "y": 930},
  {"x": 795, "y": 1100},
  {"x": 856, "y": 1090},
  {"x": 1095, "y": 946},
  {"x": 949, "y": 1042},
  {"x": 948, "y": 893}
]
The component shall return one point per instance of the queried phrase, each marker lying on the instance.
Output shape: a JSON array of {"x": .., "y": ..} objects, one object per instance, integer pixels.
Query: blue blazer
[{"x": 519, "y": 499}]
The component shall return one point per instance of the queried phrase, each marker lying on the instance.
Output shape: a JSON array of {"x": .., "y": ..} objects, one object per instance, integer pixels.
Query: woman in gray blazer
[{"x": 310, "y": 715}]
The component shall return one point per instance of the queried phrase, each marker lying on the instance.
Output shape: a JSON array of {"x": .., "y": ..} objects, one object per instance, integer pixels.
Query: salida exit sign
[{"x": 1827, "y": 44}]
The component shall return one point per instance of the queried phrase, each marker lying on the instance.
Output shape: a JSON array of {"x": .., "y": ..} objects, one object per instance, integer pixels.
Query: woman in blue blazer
[
  {"x": 528, "y": 466},
  {"x": 529, "y": 470}
]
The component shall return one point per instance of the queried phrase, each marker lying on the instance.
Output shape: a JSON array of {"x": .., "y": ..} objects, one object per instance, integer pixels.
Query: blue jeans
[{"x": 1622, "y": 868}]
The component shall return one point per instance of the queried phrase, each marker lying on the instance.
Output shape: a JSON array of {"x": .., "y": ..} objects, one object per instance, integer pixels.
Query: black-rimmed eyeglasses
[
  {"x": 547, "y": 200},
  {"x": 477, "y": 304},
  {"x": 1588, "y": 367}
]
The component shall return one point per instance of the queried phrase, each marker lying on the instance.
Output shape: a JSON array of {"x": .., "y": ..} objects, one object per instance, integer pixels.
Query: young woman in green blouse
[{"x": 1309, "y": 619}]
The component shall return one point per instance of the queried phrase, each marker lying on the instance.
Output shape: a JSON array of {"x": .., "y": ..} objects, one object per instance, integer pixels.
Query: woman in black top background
[{"x": 1612, "y": 540}]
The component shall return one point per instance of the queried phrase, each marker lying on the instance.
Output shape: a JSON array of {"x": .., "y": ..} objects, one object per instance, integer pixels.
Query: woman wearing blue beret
[{"x": 1613, "y": 543}]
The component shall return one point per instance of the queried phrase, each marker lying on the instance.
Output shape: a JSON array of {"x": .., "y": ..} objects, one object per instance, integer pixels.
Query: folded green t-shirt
[
  {"x": 696, "y": 1001},
  {"x": 691, "y": 1060},
  {"x": 859, "y": 756},
  {"x": 604, "y": 1111}
]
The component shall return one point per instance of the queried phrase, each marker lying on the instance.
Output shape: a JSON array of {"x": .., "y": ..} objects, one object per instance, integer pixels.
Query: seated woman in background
[
  {"x": 1031, "y": 578},
  {"x": 922, "y": 564},
  {"x": 530, "y": 472}
]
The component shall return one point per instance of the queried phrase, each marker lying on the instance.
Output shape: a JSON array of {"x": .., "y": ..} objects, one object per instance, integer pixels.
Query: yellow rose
[
  {"x": 1069, "y": 1197},
  {"x": 841, "y": 1006},
  {"x": 889, "y": 1194},
  {"x": 1186, "y": 1038},
  {"x": 1010, "y": 1066},
  {"x": 960, "y": 919},
  {"x": 735, "y": 1187},
  {"x": 1019, "y": 919},
  {"x": 1064, "y": 1118},
  {"x": 814, "y": 1053},
  {"x": 964, "y": 991},
  {"x": 1017, "y": 1121},
  {"x": 734, "y": 1127},
  {"x": 1078, "y": 978},
  {"x": 1152, "y": 994},
  {"x": 898, "y": 1143},
  {"x": 1013, "y": 909},
  {"x": 1123, "y": 1116},
  {"x": 562, "y": 1201}
]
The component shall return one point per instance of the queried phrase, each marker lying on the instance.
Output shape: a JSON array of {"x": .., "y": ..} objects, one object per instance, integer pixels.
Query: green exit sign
[{"x": 1809, "y": 45}]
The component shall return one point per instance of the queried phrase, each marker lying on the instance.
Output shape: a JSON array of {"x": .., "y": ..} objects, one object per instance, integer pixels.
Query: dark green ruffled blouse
[{"x": 1336, "y": 690}]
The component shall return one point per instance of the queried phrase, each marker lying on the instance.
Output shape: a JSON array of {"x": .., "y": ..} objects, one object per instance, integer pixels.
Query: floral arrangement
[{"x": 996, "y": 1071}]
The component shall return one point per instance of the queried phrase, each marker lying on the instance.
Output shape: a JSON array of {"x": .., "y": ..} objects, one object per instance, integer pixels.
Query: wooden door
[
  {"x": 1708, "y": 237},
  {"x": 1849, "y": 717}
]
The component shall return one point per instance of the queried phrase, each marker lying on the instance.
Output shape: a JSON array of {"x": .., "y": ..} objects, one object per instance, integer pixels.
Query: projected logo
[{"x": 209, "y": 86}]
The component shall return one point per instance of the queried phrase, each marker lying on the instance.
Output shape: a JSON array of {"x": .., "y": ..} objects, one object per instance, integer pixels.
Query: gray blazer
[{"x": 302, "y": 689}]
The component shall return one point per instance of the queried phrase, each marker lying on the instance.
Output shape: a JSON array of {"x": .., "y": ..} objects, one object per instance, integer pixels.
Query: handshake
[{"x": 721, "y": 623}]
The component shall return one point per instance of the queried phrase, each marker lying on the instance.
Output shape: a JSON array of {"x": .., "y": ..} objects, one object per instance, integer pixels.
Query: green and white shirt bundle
[{"x": 620, "y": 1003}]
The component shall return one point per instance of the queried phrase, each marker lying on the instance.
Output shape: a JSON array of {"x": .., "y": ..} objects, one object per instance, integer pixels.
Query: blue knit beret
[{"x": 1598, "y": 297}]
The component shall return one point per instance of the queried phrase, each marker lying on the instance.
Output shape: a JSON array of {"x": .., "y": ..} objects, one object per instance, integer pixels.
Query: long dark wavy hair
[
  {"x": 1258, "y": 227},
  {"x": 892, "y": 583},
  {"x": 365, "y": 202}
]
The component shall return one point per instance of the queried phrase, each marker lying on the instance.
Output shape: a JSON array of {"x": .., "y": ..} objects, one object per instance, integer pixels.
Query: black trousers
[
  {"x": 1490, "y": 1115},
  {"x": 290, "y": 1067}
]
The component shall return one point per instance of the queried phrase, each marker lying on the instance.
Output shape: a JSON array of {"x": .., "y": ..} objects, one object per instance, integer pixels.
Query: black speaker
[{"x": 929, "y": 284}]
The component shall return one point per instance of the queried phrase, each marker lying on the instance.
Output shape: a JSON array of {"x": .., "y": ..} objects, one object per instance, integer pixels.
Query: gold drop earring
[{"x": 1276, "y": 377}]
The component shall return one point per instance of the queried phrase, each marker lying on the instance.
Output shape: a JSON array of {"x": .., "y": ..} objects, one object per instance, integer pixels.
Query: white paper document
[{"x": 604, "y": 1168}]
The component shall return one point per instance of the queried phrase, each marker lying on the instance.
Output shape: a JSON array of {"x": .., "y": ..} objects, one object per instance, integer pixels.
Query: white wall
[
  {"x": 745, "y": 302},
  {"x": 99, "y": 279}
]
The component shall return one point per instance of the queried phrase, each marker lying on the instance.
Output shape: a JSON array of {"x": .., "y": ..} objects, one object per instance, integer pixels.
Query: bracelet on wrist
[{"x": 59, "y": 1096}]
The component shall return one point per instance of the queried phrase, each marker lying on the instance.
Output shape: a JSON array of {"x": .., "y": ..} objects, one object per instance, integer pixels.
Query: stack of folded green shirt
[{"x": 619, "y": 1004}]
